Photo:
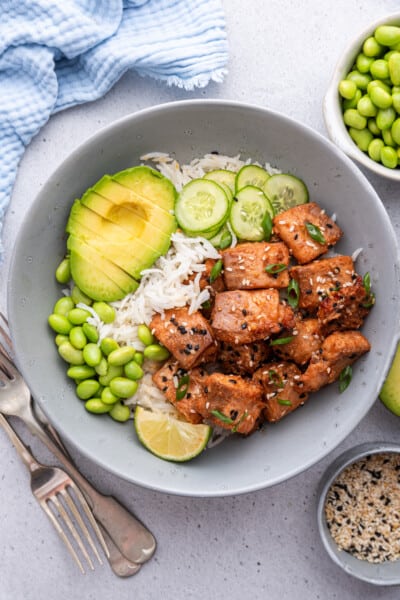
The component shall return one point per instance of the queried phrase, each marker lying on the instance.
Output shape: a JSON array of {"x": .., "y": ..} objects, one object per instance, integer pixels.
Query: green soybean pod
[
  {"x": 79, "y": 372},
  {"x": 373, "y": 127},
  {"x": 389, "y": 157},
  {"x": 105, "y": 311},
  {"x": 139, "y": 358},
  {"x": 395, "y": 131},
  {"x": 96, "y": 406},
  {"x": 387, "y": 138},
  {"x": 108, "y": 345},
  {"x": 120, "y": 412},
  {"x": 59, "y": 324},
  {"x": 380, "y": 97},
  {"x": 394, "y": 68},
  {"x": 353, "y": 102},
  {"x": 102, "y": 367},
  {"x": 87, "y": 389},
  {"x": 78, "y": 296},
  {"x": 363, "y": 63},
  {"x": 63, "y": 271},
  {"x": 112, "y": 372},
  {"x": 70, "y": 354},
  {"x": 360, "y": 79},
  {"x": 92, "y": 354},
  {"x": 362, "y": 137},
  {"x": 347, "y": 89},
  {"x": 396, "y": 101},
  {"x": 156, "y": 352},
  {"x": 78, "y": 316},
  {"x": 371, "y": 47},
  {"x": 60, "y": 338},
  {"x": 133, "y": 371},
  {"x": 123, "y": 387},
  {"x": 374, "y": 149},
  {"x": 108, "y": 397},
  {"x": 352, "y": 118},
  {"x": 77, "y": 337},
  {"x": 91, "y": 332},
  {"x": 63, "y": 306},
  {"x": 385, "y": 118},
  {"x": 366, "y": 107},
  {"x": 144, "y": 334},
  {"x": 387, "y": 35},
  {"x": 380, "y": 69},
  {"x": 121, "y": 356}
]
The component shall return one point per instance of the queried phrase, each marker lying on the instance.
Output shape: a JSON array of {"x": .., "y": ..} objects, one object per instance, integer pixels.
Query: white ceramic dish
[
  {"x": 387, "y": 573},
  {"x": 190, "y": 129},
  {"x": 333, "y": 115}
]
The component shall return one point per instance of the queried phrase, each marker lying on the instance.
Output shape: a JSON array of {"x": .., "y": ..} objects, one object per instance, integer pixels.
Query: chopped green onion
[
  {"x": 275, "y": 268},
  {"x": 345, "y": 377},
  {"x": 242, "y": 418},
  {"x": 206, "y": 305},
  {"x": 315, "y": 233},
  {"x": 370, "y": 300},
  {"x": 281, "y": 341},
  {"x": 216, "y": 271},
  {"x": 266, "y": 224},
  {"x": 222, "y": 417},
  {"x": 284, "y": 402},
  {"x": 367, "y": 282},
  {"x": 293, "y": 292},
  {"x": 275, "y": 378},
  {"x": 226, "y": 240},
  {"x": 183, "y": 386}
]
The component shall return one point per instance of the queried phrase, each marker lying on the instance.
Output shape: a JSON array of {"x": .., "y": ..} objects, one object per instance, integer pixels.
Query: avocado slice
[
  {"x": 80, "y": 215},
  {"x": 150, "y": 184},
  {"x": 390, "y": 392}
]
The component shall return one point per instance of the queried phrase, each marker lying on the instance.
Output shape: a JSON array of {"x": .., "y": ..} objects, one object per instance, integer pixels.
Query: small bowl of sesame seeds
[{"x": 359, "y": 512}]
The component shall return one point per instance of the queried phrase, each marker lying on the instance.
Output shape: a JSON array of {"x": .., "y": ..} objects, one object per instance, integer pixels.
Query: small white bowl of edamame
[{"x": 362, "y": 104}]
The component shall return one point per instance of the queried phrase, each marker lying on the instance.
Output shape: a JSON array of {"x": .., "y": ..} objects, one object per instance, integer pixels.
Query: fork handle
[
  {"x": 132, "y": 538},
  {"x": 22, "y": 450}
]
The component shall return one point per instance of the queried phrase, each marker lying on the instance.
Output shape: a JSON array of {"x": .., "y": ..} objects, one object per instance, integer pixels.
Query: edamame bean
[
  {"x": 112, "y": 372},
  {"x": 145, "y": 336},
  {"x": 394, "y": 68},
  {"x": 352, "y": 118},
  {"x": 92, "y": 354},
  {"x": 105, "y": 311},
  {"x": 362, "y": 137},
  {"x": 60, "y": 324},
  {"x": 366, "y": 108},
  {"x": 133, "y": 371},
  {"x": 60, "y": 338},
  {"x": 77, "y": 337},
  {"x": 78, "y": 316},
  {"x": 108, "y": 397},
  {"x": 63, "y": 271},
  {"x": 102, "y": 367},
  {"x": 396, "y": 101},
  {"x": 387, "y": 35},
  {"x": 395, "y": 131},
  {"x": 63, "y": 306},
  {"x": 385, "y": 118},
  {"x": 87, "y": 389},
  {"x": 120, "y": 412},
  {"x": 353, "y": 102},
  {"x": 79, "y": 372},
  {"x": 70, "y": 354},
  {"x": 91, "y": 332},
  {"x": 387, "y": 138},
  {"x": 121, "y": 356},
  {"x": 380, "y": 69},
  {"x": 373, "y": 127},
  {"x": 156, "y": 352},
  {"x": 389, "y": 157},
  {"x": 371, "y": 47},
  {"x": 96, "y": 406},
  {"x": 123, "y": 387},
  {"x": 360, "y": 79},
  {"x": 380, "y": 97},
  {"x": 108, "y": 345},
  {"x": 139, "y": 358},
  {"x": 374, "y": 149},
  {"x": 347, "y": 89},
  {"x": 363, "y": 63},
  {"x": 78, "y": 296}
]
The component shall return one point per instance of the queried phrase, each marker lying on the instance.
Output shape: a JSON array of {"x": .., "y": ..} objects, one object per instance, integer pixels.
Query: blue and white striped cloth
[{"x": 58, "y": 53}]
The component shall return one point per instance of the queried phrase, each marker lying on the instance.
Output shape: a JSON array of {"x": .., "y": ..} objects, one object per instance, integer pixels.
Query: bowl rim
[
  {"x": 332, "y": 113},
  {"x": 348, "y": 457},
  {"x": 200, "y": 103}
]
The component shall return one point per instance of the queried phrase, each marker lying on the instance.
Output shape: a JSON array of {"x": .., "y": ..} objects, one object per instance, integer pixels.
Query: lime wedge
[{"x": 169, "y": 438}]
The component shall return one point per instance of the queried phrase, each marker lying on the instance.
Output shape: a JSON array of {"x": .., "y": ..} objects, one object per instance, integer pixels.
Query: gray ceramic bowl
[
  {"x": 379, "y": 574},
  {"x": 189, "y": 129}
]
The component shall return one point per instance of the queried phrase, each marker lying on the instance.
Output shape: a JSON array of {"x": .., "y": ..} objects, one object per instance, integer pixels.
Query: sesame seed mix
[{"x": 362, "y": 508}]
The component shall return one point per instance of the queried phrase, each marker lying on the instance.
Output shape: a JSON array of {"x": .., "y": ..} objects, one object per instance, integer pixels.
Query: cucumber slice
[
  {"x": 223, "y": 239},
  {"x": 251, "y": 175},
  {"x": 285, "y": 191},
  {"x": 247, "y": 213},
  {"x": 202, "y": 206},
  {"x": 223, "y": 176}
]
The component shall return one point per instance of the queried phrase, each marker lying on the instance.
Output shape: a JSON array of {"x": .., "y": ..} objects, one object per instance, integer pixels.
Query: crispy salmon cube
[
  {"x": 167, "y": 380},
  {"x": 244, "y": 359},
  {"x": 242, "y": 316},
  {"x": 306, "y": 339},
  {"x": 283, "y": 390},
  {"x": 245, "y": 266},
  {"x": 291, "y": 226},
  {"x": 339, "y": 350},
  {"x": 185, "y": 336},
  {"x": 346, "y": 308},
  {"x": 232, "y": 403},
  {"x": 321, "y": 277}
]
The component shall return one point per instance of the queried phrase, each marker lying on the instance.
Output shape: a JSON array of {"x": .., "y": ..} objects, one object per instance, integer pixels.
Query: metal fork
[{"x": 61, "y": 500}]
